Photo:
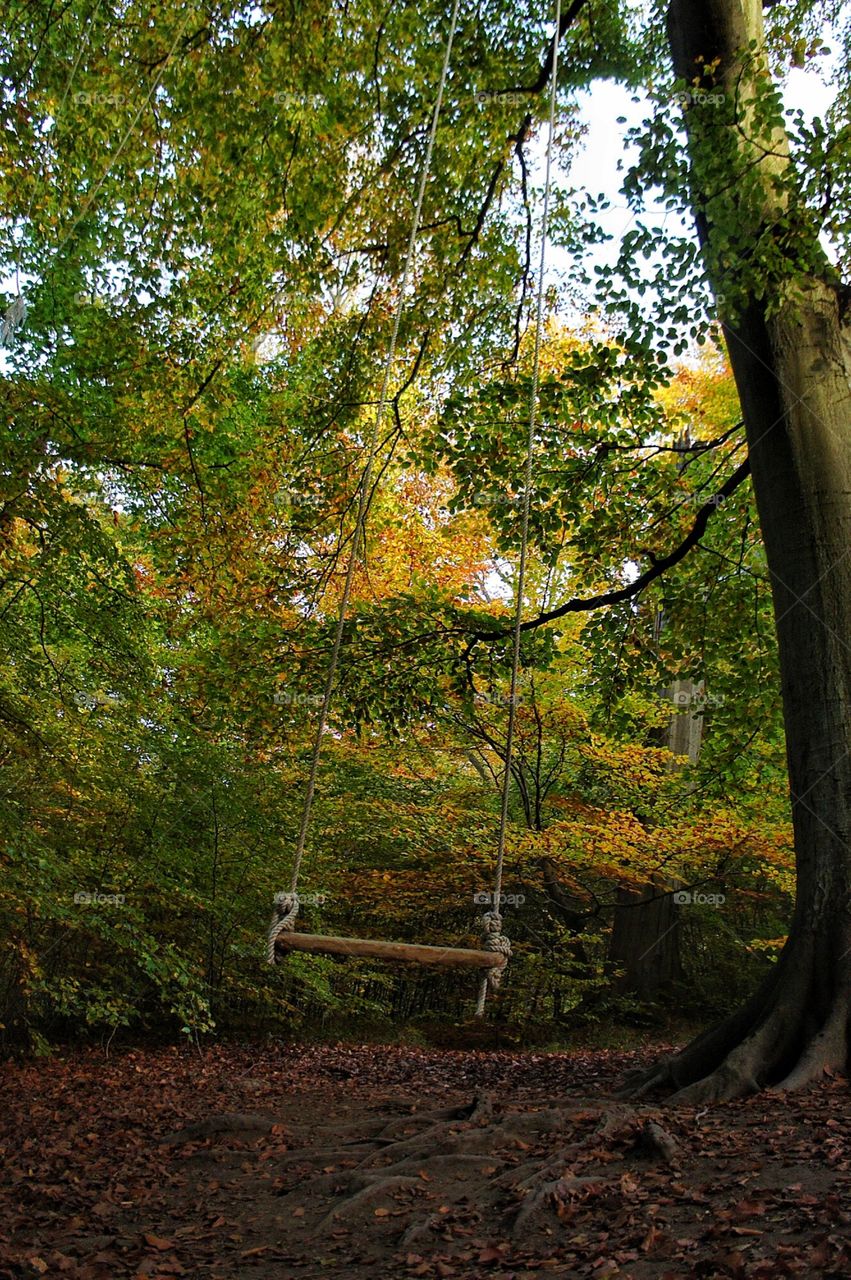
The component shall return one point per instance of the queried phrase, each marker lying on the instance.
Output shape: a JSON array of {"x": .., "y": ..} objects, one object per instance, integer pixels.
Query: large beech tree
[{"x": 788, "y": 338}]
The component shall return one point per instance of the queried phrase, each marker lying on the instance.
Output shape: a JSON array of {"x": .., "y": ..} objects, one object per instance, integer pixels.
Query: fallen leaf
[{"x": 157, "y": 1242}]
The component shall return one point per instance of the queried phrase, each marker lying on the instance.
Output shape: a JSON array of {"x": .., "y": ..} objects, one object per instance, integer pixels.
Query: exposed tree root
[
  {"x": 445, "y": 1163},
  {"x": 541, "y": 1204},
  {"x": 421, "y": 1232},
  {"x": 528, "y": 1175},
  {"x": 229, "y": 1122},
  {"x": 322, "y": 1155},
  {"x": 480, "y": 1110},
  {"x": 659, "y": 1142},
  {"x": 528, "y": 1166},
  {"x": 792, "y": 1031},
  {"x": 380, "y": 1193},
  {"x": 551, "y": 1120},
  {"x": 440, "y": 1136}
]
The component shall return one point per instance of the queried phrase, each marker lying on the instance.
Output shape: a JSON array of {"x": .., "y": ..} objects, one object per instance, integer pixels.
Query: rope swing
[{"x": 496, "y": 947}]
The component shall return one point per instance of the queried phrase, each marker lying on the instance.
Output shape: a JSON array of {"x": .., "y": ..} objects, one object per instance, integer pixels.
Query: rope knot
[
  {"x": 493, "y": 939},
  {"x": 284, "y": 912}
]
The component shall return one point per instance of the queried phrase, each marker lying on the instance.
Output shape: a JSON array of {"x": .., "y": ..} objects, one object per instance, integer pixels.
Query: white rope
[
  {"x": 493, "y": 939},
  {"x": 284, "y": 914},
  {"x": 367, "y": 474}
]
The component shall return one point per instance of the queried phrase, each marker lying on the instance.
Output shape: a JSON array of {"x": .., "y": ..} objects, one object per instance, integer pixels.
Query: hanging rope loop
[
  {"x": 284, "y": 912},
  {"x": 494, "y": 939},
  {"x": 359, "y": 532}
]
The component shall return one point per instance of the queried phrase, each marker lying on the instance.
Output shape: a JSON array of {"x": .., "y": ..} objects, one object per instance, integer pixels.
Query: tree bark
[
  {"x": 645, "y": 941},
  {"x": 645, "y": 938},
  {"x": 791, "y": 358}
]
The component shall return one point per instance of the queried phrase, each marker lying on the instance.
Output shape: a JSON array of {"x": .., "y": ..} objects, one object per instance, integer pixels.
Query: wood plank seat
[{"x": 411, "y": 952}]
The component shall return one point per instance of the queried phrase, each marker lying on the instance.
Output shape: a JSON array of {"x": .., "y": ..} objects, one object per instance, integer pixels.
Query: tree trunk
[
  {"x": 684, "y": 732},
  {"x": 791, "y": 358},
  {"x": 645, "y": 940}
]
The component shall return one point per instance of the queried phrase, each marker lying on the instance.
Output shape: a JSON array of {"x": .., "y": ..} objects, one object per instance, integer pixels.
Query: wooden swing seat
[{"x": 412, "y": 952}]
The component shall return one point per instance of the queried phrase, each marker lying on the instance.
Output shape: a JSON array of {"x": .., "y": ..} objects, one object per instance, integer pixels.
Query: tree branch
[
  {"x": 658, "y": 567},
  {"x": 546, "y": 70}
]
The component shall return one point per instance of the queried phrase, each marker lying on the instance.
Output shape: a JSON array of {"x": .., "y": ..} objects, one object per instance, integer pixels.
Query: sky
[{"x": 595, "y": 167}]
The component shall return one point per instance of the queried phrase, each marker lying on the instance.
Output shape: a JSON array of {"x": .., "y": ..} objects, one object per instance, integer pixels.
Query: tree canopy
[{"x": 205, "y": 212}]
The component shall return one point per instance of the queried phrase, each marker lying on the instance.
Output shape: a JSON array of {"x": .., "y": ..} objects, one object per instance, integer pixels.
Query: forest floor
[{"x": 363, "y": 1161}]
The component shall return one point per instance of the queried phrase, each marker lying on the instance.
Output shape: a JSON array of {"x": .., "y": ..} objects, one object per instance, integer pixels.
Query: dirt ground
[{"x": 364, "y": 1161}]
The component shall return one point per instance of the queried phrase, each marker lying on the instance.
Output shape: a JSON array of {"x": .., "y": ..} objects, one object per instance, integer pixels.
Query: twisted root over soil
[{"x": 513, "y": 1171}]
